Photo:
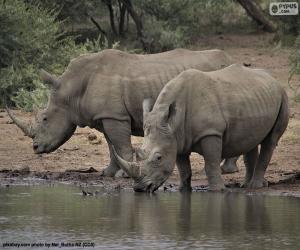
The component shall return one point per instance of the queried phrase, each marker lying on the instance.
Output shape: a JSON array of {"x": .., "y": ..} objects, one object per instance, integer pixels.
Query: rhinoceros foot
[
  {"x": 185, "y": 188},
  {"x": 109, "y": 171},
  {"x": 229, "y": 166},
  {"x": 255, "y": 183},
  {"x": 216, "y": 184}
]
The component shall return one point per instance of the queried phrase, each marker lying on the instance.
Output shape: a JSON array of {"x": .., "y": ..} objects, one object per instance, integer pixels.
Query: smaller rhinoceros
[{"x": 217, "y": 114}]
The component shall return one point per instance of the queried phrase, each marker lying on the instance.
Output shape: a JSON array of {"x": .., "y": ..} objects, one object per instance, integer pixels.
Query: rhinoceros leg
[
  {"x": 117, "y": 133},
  {"x": 112, "y": 169},
  {"x": 268, "y": 145},
  {"x": 250, "y": 160},
  {"x": 185, "y": 172},
  {"x": 229, "y": 166},
  {"x": 211, "y": 149}
]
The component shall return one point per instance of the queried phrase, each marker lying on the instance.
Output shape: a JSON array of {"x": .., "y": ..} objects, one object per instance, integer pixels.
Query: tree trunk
[
  {"x": 256, "y": 13},
  {"x": 122, "y": 8},
  {"x": 102, "y": 31},
  {"x": 111, "y": 16},
  {"x": 137, "y": 20}
]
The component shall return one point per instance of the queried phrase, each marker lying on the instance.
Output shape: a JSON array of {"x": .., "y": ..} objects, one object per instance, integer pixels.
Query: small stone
[
  {"x": 92, "y": 137},
  {"x": 24, "y": 170}
]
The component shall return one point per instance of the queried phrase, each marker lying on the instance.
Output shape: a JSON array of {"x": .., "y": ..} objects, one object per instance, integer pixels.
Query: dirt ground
[{"x": 18, "y": 161}]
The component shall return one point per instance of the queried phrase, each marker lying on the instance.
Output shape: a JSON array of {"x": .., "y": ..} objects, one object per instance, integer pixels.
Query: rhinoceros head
[
  {"x": 52, "y": 126},
  {"x": 158, "y": 151}
]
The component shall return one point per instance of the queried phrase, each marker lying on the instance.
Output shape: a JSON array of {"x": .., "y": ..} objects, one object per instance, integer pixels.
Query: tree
[{"x": 257, "y": 14}]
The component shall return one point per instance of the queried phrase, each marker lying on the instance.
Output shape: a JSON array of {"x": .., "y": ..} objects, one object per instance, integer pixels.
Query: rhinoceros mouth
[
  {"x": 43, "y": 149},
  {"x": 146, "y": 185}
]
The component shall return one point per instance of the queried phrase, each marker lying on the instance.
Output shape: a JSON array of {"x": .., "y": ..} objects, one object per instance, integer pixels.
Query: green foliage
[
  {"x": 176, "y": 23},
  {"x": 295, "y": 70},
  {"x": 31, "y": 39},
  {"x": 162, "y": 38}
]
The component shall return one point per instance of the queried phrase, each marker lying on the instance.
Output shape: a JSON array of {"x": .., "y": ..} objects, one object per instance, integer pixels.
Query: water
[{"x": 127, "y": 220}]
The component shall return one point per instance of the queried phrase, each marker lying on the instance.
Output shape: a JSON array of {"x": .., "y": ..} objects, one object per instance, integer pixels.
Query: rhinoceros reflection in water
[
  {"x": 217, "y": 114},
  {"x": 105, "y": 91}
]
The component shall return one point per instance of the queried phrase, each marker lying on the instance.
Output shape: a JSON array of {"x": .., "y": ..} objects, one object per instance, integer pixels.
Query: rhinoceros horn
[
  {"x": 133, "y": 169},
  {"x": 26, "y": 128}
]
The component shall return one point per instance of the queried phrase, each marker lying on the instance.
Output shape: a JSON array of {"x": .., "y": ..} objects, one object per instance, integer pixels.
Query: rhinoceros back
[
  {"x": 113, "y": 84},
  {"x": 239, "y": 104}
]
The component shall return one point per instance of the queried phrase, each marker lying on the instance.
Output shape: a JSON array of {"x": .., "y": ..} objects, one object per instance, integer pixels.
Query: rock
[
  {"x": 5, "y": 170},
  {"x": 97, "y": 141},
  {"x": 89, "y": 170},
  {"x": 246, "y": 64},
  {"x": 24, "y": 170},
  {"x": 92, "y": 137},
  {"x": 75, "y": 148}
]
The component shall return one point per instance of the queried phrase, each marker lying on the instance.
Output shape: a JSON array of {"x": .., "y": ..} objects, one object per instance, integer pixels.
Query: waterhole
[{"x": 61, "y": 217}]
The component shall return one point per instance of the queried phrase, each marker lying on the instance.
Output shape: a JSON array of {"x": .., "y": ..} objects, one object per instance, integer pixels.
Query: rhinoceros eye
[
  {"x": 157, "y": 157},
  {"x": 45, "y": 119}
]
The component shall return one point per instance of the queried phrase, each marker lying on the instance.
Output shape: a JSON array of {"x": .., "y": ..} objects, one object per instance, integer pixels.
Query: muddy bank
[{"x": 87, "y": 178}]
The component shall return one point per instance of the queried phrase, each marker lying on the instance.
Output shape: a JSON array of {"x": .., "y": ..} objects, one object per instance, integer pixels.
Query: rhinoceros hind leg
[
  {"x": 229, "y": 166},
  {"x": 185, "y": 172},
  {"x": 211, "y": 149},
  {"x": 117, "y": 133},
  {"x": 268, "y": 145},
  {"x": 250, "y": 160}
]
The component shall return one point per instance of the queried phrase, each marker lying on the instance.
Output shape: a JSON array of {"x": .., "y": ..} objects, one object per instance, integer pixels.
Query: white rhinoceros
[
  {"x": 217, "y": 114},
  {"x": 105, "y": 91}
]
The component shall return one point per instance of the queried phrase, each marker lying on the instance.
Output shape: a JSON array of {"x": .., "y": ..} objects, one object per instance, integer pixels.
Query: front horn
[
  {"x": 26, "y": 128},
  {"x": 133, "y": 169}
]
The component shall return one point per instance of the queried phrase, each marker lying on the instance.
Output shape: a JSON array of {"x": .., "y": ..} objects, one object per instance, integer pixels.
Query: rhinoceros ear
[
  {"x": 48, "y": 79},
  {"x": 147, "y": 106},
  {"x": 169, "y": 116}
]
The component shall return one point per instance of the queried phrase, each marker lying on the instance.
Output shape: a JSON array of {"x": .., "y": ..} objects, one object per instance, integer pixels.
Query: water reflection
[{"x": 165, "y": 220}]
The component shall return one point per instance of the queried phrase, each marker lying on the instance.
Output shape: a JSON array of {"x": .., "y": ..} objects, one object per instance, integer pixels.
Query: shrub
[
  {"x": 31, "y": 39},
  {"x": 295, "y": 70}
]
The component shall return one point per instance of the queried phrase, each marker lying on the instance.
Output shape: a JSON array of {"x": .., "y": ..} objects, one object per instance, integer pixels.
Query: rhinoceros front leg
[
  {"x": 117, "y": 133},
  {"x": 185, "y": 172},
  {"x": 211, "y": 149},
  {"x": 229, "y": 166}
]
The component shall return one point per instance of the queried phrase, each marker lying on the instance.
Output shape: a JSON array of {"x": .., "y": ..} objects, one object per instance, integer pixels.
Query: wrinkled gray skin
[
  {"x": 217, "y": 114},
  {"x": 105, "y": 91}
]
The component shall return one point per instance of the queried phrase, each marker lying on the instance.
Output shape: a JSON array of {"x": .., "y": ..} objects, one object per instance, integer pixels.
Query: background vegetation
[{"x": 37, "y": 34}]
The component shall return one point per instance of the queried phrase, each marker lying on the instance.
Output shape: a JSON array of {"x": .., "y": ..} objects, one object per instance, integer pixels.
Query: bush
[
  {"x": 295, "y": 70},
  {"x": 160, "y": 37},
  {"x": 171, "y": 24},
  {"x": 30, "y": 39}
]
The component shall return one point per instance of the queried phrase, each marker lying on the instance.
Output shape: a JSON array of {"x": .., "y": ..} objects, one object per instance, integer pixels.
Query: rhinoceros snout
[{"x": 141, "y": 187}]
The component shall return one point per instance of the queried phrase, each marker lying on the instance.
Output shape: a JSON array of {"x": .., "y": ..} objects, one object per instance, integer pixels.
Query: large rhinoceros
[
  {"x": 105, "y": 91},
  {"x": 217, "y": 114}
]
